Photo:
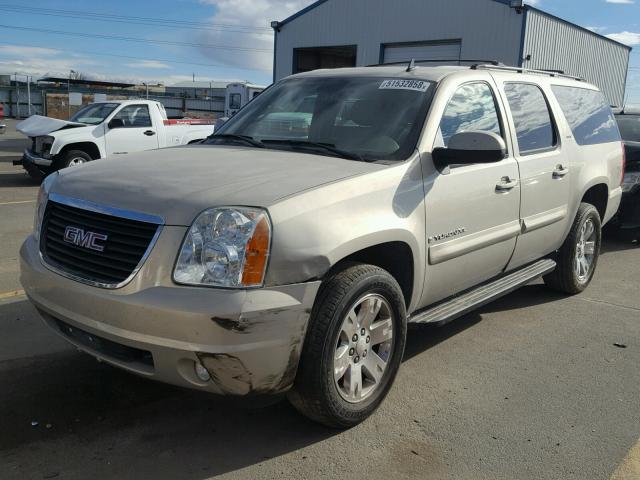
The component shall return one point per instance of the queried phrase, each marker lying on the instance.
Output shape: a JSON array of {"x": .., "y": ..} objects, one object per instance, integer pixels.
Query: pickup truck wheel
[
  {"x": 578, "y": 257},
  {"x": 72, "y": 158},
  {"x": 353, "y": 348}
]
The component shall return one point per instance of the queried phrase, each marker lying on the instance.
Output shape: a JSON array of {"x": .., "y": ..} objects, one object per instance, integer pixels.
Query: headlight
[
  {"x": 225, "y": 247},
  {"x": 630, "y": 180},
  {"x": 44, "y": 144},
  {"x": 41, "y": 204}
]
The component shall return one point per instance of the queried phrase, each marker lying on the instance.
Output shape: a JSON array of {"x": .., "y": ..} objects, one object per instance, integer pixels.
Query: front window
[
  {"x": 94, "y": 114},
  {"x": 368, "y": 118},
  {"x": 629, "y": 127},
  {"x": 472, "y": 108}
]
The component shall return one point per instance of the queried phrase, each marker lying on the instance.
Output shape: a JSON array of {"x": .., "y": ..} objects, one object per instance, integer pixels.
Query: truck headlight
[
  {"x": 225, "y": 247},
  {"x": 41, "y": 204},
  {"x": 630, "y": 180}
]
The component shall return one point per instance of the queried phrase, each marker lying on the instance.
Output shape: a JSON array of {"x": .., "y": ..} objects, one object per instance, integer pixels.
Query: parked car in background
[
  {"x": 258, "y": 265},
  {"x": 627, "y": 222},
  {"x": 104, "y": 130}
]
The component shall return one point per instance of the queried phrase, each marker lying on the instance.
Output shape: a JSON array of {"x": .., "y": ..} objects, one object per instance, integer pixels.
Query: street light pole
[
  {"x": 71, "y": 72},
  {"x": 29, "y": 93}
]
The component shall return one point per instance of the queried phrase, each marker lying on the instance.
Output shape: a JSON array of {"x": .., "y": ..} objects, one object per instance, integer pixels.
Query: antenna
[{"x": 412, "y": 65}]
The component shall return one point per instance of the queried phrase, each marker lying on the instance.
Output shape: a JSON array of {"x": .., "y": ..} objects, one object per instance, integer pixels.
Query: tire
[
  {"x": 566, "y": 278},
  {"x": 72, "y": 158},
  {"x": 318, "y": 392}
]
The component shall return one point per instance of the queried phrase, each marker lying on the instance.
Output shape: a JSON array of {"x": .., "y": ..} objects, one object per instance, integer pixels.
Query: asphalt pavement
[{"x": 534, "y": 386}]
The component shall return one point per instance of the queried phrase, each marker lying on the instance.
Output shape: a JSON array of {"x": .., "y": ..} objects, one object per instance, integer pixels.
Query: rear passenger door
[{"x": 544, "y": 171}]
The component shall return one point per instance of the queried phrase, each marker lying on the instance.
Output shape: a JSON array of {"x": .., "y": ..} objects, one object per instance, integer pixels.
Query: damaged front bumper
[
  {"x": 249, "y": 341},
  {"x": 34, "y": 164}
]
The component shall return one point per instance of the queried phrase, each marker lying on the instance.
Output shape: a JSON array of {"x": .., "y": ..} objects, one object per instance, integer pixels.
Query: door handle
[
  {"x": 560, "y": 172},
  {"x": 149, "y": 133},
  {"x": 506, "y": 184}
]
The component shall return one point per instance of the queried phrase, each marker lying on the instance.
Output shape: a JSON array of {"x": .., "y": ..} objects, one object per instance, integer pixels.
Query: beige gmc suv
[{"x": 289, "y": 252}]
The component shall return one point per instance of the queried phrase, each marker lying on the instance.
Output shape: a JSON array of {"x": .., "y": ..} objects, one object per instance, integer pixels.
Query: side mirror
[
  {"x": 116, "y": 123},
  {"x": 468, "y": 148}
]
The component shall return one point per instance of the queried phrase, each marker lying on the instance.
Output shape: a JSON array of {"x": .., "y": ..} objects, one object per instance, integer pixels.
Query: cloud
[
  {"x": 24, "y": 51},
  {"x": 148, "y": 64},
  {"x": 623, "y": 2},
  {"x": 628, "y": 38},
  {"x": 256, "y": 13}
]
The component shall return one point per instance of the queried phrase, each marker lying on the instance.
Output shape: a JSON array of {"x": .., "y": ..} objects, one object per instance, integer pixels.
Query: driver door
[
  {"x": 135, "y": 133},
  {"x": 472, "y": 211}
]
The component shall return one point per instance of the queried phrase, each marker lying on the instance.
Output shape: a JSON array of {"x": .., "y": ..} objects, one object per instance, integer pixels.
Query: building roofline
[
  {"x": 503, "y": 2},
  {"x": 579, "y": 27}
]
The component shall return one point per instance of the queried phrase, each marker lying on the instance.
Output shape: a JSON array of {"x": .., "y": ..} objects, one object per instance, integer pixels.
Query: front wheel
[
  {"x": 353, "y": 349},
  {"x": 578, "y": 257},
  {"x": 72, "y": 158}
]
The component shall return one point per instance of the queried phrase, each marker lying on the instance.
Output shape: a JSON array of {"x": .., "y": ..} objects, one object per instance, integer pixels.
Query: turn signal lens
[{"x": 256, "y": 254}]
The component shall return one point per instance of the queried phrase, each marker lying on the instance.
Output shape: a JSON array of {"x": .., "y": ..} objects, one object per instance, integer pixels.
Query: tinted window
[
  {"x": 134, "y": 116},
  {"x": 629, "y": 127},
  {"x": 472, "y": 107},
  {"x": 531, "y": 117},
  {"x": 588, "y": 114}
]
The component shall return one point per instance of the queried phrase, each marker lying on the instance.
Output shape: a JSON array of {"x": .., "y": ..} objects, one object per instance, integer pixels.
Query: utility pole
[
  {"x": 29, "y": 93},
  {"x": 17, "y": 115},
  {"x": 71, "y": 72}
]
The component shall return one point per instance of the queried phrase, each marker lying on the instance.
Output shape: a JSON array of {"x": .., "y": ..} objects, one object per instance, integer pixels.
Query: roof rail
[
  {"x": 453, "y": 60},
  {"x": 504, "y": 68}
]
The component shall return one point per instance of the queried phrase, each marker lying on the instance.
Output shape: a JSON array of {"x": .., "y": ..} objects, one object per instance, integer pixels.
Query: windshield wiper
[
  {"x": 327, "y": 147},
  {"x": 240, "y": 138}
]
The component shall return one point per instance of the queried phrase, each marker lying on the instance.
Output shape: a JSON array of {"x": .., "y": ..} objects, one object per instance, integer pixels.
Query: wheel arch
[
  {"x": 597, "y": 195},
  {"x": 89, "y": 148}
]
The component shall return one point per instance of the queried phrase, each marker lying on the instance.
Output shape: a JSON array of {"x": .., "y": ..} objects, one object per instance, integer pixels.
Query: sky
[{"x": 170, "y": 41}]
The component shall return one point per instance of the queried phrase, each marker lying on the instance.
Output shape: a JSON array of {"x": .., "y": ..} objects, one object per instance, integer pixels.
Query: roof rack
[
  {"x": 504, "y": 68},
  {"x": 453, "y": 60}
]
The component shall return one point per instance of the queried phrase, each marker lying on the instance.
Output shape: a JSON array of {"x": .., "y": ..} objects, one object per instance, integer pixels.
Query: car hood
[
  {"x": 37, "y": 125},
  {"x": 178, "y": 183}
]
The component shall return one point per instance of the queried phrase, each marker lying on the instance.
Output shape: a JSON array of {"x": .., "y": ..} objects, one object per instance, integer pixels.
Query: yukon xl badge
[
  {"x": 80, "y": 238},
  {"x": 444, "y": 236}
]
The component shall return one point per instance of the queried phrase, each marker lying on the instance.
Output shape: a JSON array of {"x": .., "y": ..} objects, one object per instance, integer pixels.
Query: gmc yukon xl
[{"x": 290, "y": 258}]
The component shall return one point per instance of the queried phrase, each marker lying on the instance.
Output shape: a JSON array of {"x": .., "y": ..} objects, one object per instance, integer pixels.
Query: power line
[
  {"x": 130, "y": 19},
  {"x": 165, "y": 60},
  {"x": 138, "y": 40}
]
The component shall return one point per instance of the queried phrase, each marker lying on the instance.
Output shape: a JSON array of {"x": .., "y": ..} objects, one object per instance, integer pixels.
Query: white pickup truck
[{"x": 104, "y": 130}]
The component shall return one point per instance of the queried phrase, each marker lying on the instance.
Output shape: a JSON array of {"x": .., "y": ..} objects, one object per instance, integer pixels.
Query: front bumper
[
  {"x": 248, "y": 340},
  {"x": 35, "y": 165}
]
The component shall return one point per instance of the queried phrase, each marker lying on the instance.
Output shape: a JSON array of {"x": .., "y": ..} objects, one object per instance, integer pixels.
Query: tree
[{"x": 73, "y": 75}]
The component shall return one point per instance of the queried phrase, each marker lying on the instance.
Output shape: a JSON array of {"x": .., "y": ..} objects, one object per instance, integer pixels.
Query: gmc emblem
[{"x": 80, "y": 238}]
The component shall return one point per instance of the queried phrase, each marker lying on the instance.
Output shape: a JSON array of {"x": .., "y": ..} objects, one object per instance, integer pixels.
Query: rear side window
[
  {"x": 531, "y": 116},
  {"x": 472, "y": 107},
  {"x": 588, "y": 114}
]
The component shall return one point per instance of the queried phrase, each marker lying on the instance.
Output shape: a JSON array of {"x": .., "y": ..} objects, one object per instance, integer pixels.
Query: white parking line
[
  {"x": 15, "y": 293},
  {"x": 17, "y": 203}
]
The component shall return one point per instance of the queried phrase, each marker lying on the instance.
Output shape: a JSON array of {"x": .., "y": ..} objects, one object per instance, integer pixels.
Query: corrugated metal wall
[
  {"x": 487, "y": 28},
  {"x": 557, "y": 45}
]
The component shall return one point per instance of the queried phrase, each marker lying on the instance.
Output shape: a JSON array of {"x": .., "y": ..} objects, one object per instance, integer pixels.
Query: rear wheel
[
  {"x": 578, "y": 257},
  {"x": 353, "y": 349},
  {"x": 72, "y": 158}
]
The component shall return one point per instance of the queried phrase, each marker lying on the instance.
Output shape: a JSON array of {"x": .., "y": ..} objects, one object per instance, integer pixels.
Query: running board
[{"x": 479, "y": 296}]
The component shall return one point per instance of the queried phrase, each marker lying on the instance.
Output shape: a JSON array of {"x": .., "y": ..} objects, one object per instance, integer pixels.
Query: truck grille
[{"x": 94, "y": 247}]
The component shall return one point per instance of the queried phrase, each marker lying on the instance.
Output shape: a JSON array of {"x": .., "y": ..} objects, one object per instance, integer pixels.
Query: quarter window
[
  {"x": 134, "y": 116},
  {"x": 531, "y": 116},
  {"x": 472, "y": 107},
  {"x": 590, "y": 117}
]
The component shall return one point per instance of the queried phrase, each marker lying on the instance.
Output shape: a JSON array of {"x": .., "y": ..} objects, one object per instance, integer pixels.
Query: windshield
[
  {"x": 629, "y": 127},
  {"x": 94, "y": 114},
  {"x": 368, "y": 118}
]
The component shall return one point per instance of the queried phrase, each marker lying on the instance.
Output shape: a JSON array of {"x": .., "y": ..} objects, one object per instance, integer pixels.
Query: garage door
[{"x": 421, "y": 51}]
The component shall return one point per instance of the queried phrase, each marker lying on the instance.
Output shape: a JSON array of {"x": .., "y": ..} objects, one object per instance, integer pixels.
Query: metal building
[{"x": 342, "y": 33}]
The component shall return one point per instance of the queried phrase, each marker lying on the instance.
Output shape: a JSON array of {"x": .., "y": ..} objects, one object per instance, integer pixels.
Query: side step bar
[{"x": 464, "y": 303}]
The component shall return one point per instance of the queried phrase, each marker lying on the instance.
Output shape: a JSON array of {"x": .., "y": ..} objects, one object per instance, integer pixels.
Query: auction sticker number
[{"x": 415, "y": 85}]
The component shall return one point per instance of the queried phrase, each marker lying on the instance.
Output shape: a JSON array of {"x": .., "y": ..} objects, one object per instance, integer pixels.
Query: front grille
[{"x": 124, "y": 241}]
